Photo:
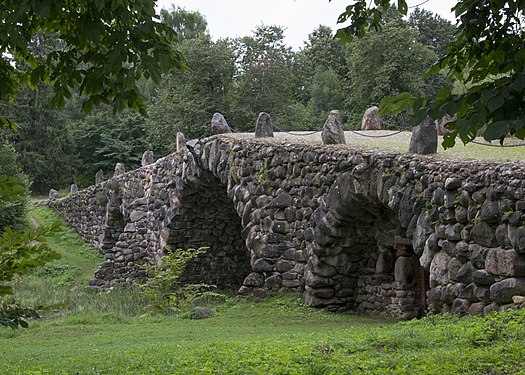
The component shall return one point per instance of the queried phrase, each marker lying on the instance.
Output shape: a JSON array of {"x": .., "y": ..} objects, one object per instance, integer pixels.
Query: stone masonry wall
[{"x": 363, "y": 230}]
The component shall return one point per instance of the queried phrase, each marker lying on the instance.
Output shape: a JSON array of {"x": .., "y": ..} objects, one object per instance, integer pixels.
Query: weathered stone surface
[
  {"x": 201, "y": 312},
  {"x": 181, "y": 142},
  {"x": 483, "y": 277},
  {"x": 254, "y": 279},
  {"x": 424, "y": 138},
  {"x": 332, "y": 131},
  {"x": 219, "y": 125},
  {"x": 119, "y": 169},
  {"x": 53, "y": 194},
  {"x": 264, "y": 126},
  {"x": 73, "y": 190},
  {"x": 439, "y": 269},
  {"x": 504, "y": 290},
  {"x": 517, "y": 238},
  {"x": 460, "y": 306},
  {"x": 324, "y": 220},
  {"x": 403, "y": 272},
  {"x": 99, "y": 177},
  {"x": 147, "y": 158},
  {"x": 371, "y": 120},
  {"x": 505, "y": 262}
]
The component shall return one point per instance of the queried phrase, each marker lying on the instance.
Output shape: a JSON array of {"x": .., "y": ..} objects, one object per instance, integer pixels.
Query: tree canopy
[
  {"x": 487, "y": 57},
  {"x": 103, "y": 48}
]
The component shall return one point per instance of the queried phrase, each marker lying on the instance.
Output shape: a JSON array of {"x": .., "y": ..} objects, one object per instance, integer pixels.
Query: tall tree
[
  {"x": 487, "y": 56},
  {"x": 185, "y": 102},
  {"x": 187, "y": 24},
  {"x": 265, "y": 81},
  {"x": 386, "y": 62}
]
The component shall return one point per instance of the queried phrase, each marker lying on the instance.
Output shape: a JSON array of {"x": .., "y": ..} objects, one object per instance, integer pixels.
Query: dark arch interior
[{"x": 206, "y": 218}]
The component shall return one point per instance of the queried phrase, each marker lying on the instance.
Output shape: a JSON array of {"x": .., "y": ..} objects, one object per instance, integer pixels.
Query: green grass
[
  {"x": 112, "y": 333},
  {"x": 400, "y": 142}
]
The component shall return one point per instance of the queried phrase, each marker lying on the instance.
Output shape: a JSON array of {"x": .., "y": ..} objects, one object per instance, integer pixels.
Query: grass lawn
[{"x": 116, "y": 333}]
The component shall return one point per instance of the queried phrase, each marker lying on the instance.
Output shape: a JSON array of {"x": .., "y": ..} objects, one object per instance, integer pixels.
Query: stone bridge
[{"x": 361, "y": 230}]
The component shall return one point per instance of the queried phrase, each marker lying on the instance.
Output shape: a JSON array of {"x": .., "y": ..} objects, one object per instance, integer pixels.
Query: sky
[{"x": 232, "y": 18}]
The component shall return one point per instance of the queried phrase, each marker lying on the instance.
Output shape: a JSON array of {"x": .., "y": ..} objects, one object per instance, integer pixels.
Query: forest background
[{"x": 239, "y": 78}]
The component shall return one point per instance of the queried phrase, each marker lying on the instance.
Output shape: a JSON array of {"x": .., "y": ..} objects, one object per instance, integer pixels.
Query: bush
[{"x": 164, "y": 291}]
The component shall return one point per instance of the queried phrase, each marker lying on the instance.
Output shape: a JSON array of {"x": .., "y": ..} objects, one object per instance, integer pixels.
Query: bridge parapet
[{"x": 352, "y": 229}]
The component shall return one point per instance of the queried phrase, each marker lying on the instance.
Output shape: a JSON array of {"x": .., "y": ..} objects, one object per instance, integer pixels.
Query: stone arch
[
  {"x": 362, "y": 256},
  {"x": 202, "y": 215}
]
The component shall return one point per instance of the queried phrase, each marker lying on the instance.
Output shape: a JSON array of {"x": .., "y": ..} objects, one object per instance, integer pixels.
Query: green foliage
[
  {"x": 383, "y": 63},
  {"x": 103, "y": 48},
  {"x": 187, "y": 24},
  {"x": 164, "y": 291},
  {"x": 487, "y": 58},
  {"x": 21, "y": 252},
  {"x": 13, "y": 189}
]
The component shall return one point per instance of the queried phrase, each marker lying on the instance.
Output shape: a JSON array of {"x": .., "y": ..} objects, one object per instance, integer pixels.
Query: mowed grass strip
[{"x": 279, "y": 336}]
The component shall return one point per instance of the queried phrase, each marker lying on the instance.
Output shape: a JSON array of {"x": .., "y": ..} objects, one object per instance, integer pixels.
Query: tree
[
  {"x": 185, "y": 102},
  {"x": 386, "y": 62},
  {"x": 265, "y": 81},
  {"x": 487, "y": 57},
  {"x": 104, "y": 47},
  {"x": 187, "y": 24}
]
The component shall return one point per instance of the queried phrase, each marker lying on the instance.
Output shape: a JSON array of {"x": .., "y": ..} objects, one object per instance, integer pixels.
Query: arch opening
[
  {"x": 362, "y": 256},
  {"x": 205, "y": 217}
]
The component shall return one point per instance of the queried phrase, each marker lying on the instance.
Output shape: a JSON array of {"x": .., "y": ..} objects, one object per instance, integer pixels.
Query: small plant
[{"x": 164, "y": 291}]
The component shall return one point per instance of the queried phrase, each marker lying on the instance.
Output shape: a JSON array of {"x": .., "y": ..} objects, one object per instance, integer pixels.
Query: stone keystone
[
  {"x": 333, "y": 133},
  {"x": 264, "y": 126},
  {"x": 424, "y": 138},
  {"x": 371, "y": 119},
  {"x": 219, "y": 125}
]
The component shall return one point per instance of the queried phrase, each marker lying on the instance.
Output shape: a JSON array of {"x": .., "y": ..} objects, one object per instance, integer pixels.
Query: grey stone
[
  {"x": 53, "y": 194},
  {"x": 482, "y": 277},
  {"x": 385, "y": 262},
  {"x": 73, "y": 190},
  {"x": 262, "y": 265},
  {"x": 483, "y": 235},
  {"x": 219, "y": 125},
  {"x": 505, "y": 262},
  {"x": 460, "y": 306},
  {"x": 504, "y": 290},
  {"x": 201, "y": 312},
  {"x": 424, "y": 138},
  {"x": 119, "y": 169},
  {"x": 147, "y": 158},
  {"x": 371, "y": 119},
  {"x": 332, "y": 131},
  {"x": 403, "y": 272},
  {"x": 517, "y": 238},
  {"x": 264, "y": 126},
  {"x": 254, "y": 279},
  {"x": 476, "y": 308},
  {"x": 99, "y": 177},
  {"x": 181, "y": 142},
  {"x": 464, "y": 274},
  {"x": 439, "y": 269}
]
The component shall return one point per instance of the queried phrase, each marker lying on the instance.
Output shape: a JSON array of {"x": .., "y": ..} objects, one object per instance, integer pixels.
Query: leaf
[
  {"x": 402, "y": 6},
  {"x": 396, "y": 104},
  {"x": 496, "y": 130}
]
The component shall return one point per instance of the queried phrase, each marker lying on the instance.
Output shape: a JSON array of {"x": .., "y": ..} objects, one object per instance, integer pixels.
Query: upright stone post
[
  {"x": 181, "y": 141},
  {"x": 264, "y": 126},
  {"x": 73, "y": 190},
  {"x": 371, "y": 119},
  {"x": 99, "y": 177},
  {"x": 332, "y": 131},
  {"x": 53, "y": 194},
  {"x": 147, "y": 158},
  {"x": 119, "y": 169},
  {"x": 219, "y": 125},
  {"x": 424, "y": 138}
]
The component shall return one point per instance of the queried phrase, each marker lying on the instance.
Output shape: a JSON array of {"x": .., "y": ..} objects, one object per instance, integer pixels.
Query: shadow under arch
[
  {"x": 204, "y": 216},
  {"x": 362, "y": 257}
]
